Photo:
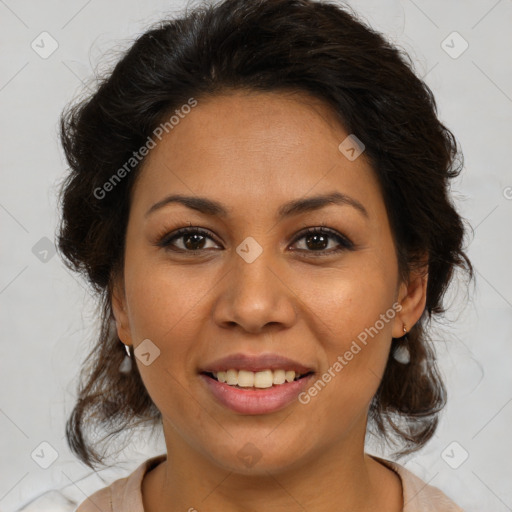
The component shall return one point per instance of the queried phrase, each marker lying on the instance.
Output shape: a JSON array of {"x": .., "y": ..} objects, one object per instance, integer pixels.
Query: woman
[{"x": 259, "y": 194}]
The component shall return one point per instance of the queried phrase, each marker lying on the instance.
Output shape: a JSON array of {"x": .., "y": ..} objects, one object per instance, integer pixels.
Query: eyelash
[{"x": 166, "y": 240}]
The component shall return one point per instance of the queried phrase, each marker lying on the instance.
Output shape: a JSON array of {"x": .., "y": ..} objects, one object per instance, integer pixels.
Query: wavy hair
[{"x": 320, "y": 48}]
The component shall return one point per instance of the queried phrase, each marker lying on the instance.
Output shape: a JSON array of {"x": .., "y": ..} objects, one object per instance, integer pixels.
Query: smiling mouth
[{"x": 244, "y": 379}]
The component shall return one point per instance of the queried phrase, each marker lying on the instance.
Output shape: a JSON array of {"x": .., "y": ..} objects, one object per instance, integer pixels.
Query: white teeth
[
  {"x": 245, "y": 379},
  {"x": 279, "y": 377},
  {"x": 263, "y": 379},
  {"x": 232, "y": 377},
  {"x": 289, "y": 375}
]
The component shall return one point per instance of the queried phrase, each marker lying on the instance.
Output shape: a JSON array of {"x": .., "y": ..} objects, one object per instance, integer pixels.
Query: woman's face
[{"x": 255, "y": 284}]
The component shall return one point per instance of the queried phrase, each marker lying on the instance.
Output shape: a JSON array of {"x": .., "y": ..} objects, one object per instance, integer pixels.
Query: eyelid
[
  {"x": 344, "y": 241},
  {"x": 164, "y": 240}
]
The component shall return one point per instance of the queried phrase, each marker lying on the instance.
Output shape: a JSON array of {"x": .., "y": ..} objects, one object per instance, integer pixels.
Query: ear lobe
[
  {"x": 119, "y": 310},
  {"x": 413, "y": 298}
]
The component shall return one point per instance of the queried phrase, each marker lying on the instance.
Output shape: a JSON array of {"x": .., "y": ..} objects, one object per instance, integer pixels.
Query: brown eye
[
  {"x": 317, "y": 240},
  {"x": 193, "y": 239}
]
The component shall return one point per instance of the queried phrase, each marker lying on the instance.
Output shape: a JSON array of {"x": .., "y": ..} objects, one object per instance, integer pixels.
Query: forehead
[{"x": 251, "y": 148}]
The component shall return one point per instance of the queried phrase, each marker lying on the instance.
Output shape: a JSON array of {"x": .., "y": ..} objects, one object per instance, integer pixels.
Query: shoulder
[
  {"x": 123, "y": 494},
  {"x": 418, "y": 495},
  {"x": 99, "y": 501}
]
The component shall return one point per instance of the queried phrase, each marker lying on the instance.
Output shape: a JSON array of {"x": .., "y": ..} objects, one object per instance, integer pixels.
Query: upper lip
[{"x": 255, "y": 363}]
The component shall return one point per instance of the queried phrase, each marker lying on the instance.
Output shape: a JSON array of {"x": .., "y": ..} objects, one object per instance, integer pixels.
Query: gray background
[{"x": 47, "y": 315}]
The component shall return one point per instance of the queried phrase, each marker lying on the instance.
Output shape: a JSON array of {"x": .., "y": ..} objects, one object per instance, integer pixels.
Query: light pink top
[{"x": 125, "y": 495}]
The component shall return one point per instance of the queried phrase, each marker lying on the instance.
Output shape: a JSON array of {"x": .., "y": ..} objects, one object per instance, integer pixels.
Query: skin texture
[{"x": 253, "y": 152}]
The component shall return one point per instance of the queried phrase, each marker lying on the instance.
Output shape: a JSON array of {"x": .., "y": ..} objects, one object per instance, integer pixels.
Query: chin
[{"x": 258, "y": 459}]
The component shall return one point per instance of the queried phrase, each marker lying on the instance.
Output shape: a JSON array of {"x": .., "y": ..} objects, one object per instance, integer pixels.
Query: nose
[{"x": 255, "y": 295}]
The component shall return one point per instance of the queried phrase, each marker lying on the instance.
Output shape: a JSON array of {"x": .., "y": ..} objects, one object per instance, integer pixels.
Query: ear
[
  {"x": 412, "y": 296},
  {"x": 119, "y": 309}
]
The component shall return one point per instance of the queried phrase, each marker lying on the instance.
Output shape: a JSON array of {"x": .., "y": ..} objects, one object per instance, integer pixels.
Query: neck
[{"x": 341, "y": 478}]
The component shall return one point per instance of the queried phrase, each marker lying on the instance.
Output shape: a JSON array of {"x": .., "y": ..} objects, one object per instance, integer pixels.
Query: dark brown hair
[{"x": 319, "y": 48}]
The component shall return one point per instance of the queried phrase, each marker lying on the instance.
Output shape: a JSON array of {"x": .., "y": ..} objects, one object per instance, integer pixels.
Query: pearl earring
[
  {"x": 126, "y": 365},
  {"x": 401, "y": 353}
]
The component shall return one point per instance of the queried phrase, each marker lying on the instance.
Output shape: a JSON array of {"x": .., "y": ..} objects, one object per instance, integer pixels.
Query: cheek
[
  {"x": 164, "y": 306},
  {"x": 162, "y": 300},
  {"x": 348, "y": 300},
  {"x": 353, "y": 313},
  {"x": 167, "y": 305}
]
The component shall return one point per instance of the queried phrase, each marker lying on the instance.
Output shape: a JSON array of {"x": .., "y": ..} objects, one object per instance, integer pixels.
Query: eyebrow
[{"x": 295, "y": 207}]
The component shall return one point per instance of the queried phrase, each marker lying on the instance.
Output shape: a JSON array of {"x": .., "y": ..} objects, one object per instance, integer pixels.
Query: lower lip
[{"x": 250, "y": 401}]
